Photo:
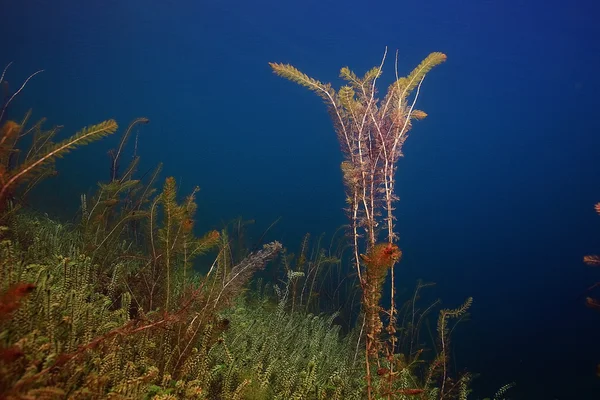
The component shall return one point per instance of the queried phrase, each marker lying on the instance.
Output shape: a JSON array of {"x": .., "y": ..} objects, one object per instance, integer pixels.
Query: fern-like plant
[
  {"x": 38, "y": 161},
  {"x": 371, "y": 132}
]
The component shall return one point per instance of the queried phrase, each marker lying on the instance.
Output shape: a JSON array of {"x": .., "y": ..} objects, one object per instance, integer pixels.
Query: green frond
[
  {"x": 224, "y": 260},
  {"x": 360, "y": 83},
  {"x": 454, "y": 313},
  {"x": 174, "y": 216},
  {"x": 295, "y": 75},
  {"x": 115, "y": 187},
  {"x": 346, "y": 98},
  {"x": 41, "y": 139},
  {"x": 83, "y": 137},
  {"x": 206, "y": 243},
  {"x": 348, "y": 75},
  {"x": 169, "y": 193},
  {"x": 404, "y": 86},
  {"x": 502, "y": 391},
  {"x": 371, "y": 74},
  {"x": 457, "y": 312}
]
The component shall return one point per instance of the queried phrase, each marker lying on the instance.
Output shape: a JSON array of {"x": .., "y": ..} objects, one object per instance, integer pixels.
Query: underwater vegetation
[
  {"x": 591, "y": 301},
  {"x": 119, "y": 304},
  {"x": 593, "y": 260},
  {"x": 371, "y": 132}
]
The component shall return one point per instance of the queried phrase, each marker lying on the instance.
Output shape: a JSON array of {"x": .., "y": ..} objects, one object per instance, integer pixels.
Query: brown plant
[{"x": 371, "y": 132}]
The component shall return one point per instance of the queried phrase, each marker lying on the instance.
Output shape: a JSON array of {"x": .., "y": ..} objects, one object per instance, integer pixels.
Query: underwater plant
[
  {"x": 64, "y": 334},
  {"x": 593, "y": 260},
  {"x": 110, "y": 306},
  {"x": 371, "y": 132},
  {"x": 291, "y": 354},
  {"x": 18, "y": 167},
  {"x": 113, "y": 306},
  {"x": 314, "y": 273}
]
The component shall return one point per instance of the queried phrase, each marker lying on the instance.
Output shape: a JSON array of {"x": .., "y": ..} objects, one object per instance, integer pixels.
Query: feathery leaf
[
  {"x": 85, "y": 136},
  {"x": 293, "y": 74},
  {"x": 404, "y": 86}
]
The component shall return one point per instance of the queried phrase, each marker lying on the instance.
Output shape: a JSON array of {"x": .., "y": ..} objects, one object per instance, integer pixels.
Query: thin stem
[{"x": 17, "y": 92}]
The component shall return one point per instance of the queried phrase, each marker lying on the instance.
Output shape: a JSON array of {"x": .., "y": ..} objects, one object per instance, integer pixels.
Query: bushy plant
[{"x": 371, "y": 132}]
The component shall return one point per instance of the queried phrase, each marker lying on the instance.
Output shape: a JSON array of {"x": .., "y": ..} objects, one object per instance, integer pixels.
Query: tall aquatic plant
[{"x": 371, "y": 132}]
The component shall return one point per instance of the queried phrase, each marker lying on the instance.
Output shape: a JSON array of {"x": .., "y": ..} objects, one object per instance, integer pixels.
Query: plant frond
[
  {"x": 404, "y": 86},
  {"x": 418, "y": 114},
  {"x": 348, "y": 75},
  {"x": 83, "y": 137},
  {"x": 452, "y": 313},
  {"x": 360, "y": 83},
  {"x": 371, "y": 74},
  {"x": 295, "y": 75},
  {"x": 346, "y": 98}
]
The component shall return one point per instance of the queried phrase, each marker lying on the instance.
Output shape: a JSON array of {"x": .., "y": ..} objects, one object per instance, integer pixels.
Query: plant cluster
[
  {"x": 371, "y": 132},
  {"x": 111, "y": 305},
  {"x": 114, "y": 305},
  {"x": 64, "y": 333}
]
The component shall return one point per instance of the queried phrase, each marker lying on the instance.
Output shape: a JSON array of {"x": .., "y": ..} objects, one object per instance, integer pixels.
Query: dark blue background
[{"x": 497, "y": 186}]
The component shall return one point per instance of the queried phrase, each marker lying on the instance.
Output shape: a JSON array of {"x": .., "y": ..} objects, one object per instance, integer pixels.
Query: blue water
[{"x": 497, "y": 185}]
